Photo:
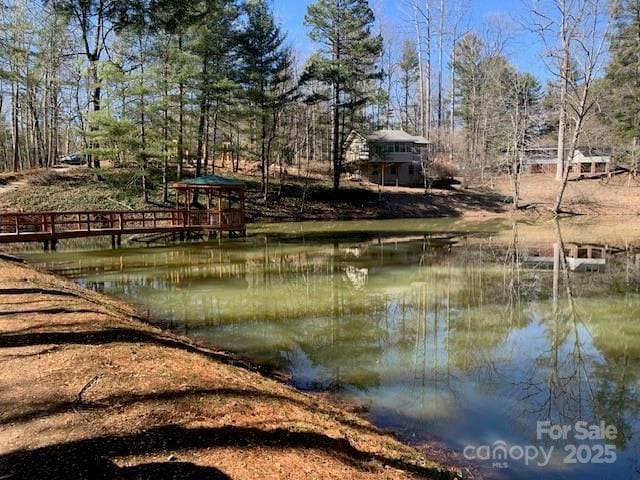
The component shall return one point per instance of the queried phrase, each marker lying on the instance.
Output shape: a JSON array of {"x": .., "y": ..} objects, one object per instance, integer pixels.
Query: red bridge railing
[{"x": 24, "y": 227}]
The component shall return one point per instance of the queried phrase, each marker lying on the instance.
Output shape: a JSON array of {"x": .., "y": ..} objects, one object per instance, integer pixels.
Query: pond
[{"x": 487, "y": 338}]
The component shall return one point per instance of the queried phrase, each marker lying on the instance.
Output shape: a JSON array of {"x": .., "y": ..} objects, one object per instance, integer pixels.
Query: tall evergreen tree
[
  {"x": 346, "y": 62},
  {"x": 623, "y": 71},
  {"x": 409, "y": 74},
  {"x": 215, "y": 44},
  {"x": 264, "y": 73}
]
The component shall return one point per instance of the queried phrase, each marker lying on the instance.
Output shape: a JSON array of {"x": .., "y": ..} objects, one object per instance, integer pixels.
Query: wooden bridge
[
  {"x": 49, "y": 227},
  {"x": 189, "y": 216}
]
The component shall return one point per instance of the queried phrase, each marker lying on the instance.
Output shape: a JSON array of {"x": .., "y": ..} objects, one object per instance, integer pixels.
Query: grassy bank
[{"x": 90, "y": 392}]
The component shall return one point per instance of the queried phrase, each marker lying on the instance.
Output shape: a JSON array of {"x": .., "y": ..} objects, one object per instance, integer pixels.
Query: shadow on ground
[
  {"x": 117, "y": 335},
  {"x": 91, "y": 458},
  {"x": 294, "y": 201}
]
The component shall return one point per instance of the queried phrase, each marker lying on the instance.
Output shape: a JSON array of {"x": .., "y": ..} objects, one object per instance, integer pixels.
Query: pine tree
[
  {"x": 264, "y": 73},
  {"x": 346, "y": 62},
  {"x": 623, "y": 71},
  {"x": 215, "y": 45},
  {"x": 409, "y": 68}
]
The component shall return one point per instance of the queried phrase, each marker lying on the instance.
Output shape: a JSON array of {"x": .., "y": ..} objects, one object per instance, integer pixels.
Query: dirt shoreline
[{"x": 89, "y": 390}]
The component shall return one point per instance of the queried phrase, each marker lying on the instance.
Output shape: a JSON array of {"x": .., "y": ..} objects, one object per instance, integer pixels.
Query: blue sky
[{"x": 524, "y": 50}]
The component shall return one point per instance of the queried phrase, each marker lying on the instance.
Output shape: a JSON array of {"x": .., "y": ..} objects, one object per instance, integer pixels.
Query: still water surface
[{"x": 464, "y": 334}]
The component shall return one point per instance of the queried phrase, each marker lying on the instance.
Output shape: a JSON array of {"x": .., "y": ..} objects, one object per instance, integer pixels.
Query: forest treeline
[{"x": 157, "y": 84}]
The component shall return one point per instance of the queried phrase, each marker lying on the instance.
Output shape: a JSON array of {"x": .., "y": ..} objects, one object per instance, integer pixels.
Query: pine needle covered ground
[
  {"x": 298, "y": 198},
  {"x": 313, "y": 198},
  {"x": 89, "y": 392}
]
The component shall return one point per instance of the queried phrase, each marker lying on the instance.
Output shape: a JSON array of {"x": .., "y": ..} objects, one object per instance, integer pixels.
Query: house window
[
  {"x": 394, "y": 170},
  {"x": 412, "y": 170}
]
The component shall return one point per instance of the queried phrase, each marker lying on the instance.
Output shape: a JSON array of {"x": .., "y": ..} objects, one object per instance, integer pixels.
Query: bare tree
[
  {"x": 428, "y": 18},
  {"x": 520, "y": 98},
  {"x": 441, "y": 34},
  {"x": 421, "y": 80},
  {"x": 456, "y": 34},
  {"x": 558, "y": 24},
  {"x": 588, "y": 56}
]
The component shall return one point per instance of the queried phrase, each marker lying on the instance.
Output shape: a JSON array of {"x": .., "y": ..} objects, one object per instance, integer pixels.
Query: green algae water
[{"x": 487, "y": 338}]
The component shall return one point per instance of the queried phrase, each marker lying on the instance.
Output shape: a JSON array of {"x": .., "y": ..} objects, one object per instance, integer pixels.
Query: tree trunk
[
  {"x": 429, "y": 107},
  {"x": 440, "y": 66},
  {"x": 202, "y": 125},
  {"x": 405, "y": 117},
  {"x": 335, "y": 138},
  {"x": 263, "y": 154},
  {"x": 165, "y": 128},
  {"x": 215, "y": 140},
  {"x": 452, "y": 119},
  {"x": 95, "y": 102},
  {"x": 145, "y": 159},
  {"x": 421, "y": 109},
  {"x": 15, "y": 120},
  {"x": 557, "y": 206},
  {"x": 564, "y": 82},
  {"x": 181, "y": 87}
]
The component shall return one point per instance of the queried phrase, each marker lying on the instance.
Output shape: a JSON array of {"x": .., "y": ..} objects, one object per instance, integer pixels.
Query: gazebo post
[
  {"x": 209, "y": 216},
  {"x": 219, "y": 214},
  {"x": 188, "y": 219},
  {"x": 244, "y": 230}
]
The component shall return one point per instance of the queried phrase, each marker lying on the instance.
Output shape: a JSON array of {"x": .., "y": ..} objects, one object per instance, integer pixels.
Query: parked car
[{"x": 74, "y": 159}]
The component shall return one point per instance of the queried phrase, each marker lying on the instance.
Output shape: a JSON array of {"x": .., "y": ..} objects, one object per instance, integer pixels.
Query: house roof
[
  {"x": 548, "y": 155},
  {"x": 539, "y": 156},
  {"x": 392, "y": 136},
  {"x": 353, "y": 134},
  {"x": 209, "y": 181},
  {"x": 589, "y": 156}
]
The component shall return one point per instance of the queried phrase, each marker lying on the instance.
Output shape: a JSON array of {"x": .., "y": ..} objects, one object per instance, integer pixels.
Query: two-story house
[{"x": 388, "y": 157}]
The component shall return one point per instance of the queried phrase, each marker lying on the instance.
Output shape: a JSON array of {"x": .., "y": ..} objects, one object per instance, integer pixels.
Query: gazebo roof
[{"x": 211, "y": 181}]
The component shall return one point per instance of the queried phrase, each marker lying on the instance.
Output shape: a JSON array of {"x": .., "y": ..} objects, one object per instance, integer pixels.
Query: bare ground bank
[{"x": 313, "y": 198}]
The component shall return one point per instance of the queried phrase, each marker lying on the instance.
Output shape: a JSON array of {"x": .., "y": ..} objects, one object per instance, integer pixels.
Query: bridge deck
[{"x": 52, "y": 226}]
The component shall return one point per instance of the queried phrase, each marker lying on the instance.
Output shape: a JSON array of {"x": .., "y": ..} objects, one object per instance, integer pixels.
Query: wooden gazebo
[{"x": 214, "y": 201}]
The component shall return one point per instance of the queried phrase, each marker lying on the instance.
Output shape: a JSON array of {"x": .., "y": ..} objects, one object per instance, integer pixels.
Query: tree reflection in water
[{"x": 461, "y": 337}]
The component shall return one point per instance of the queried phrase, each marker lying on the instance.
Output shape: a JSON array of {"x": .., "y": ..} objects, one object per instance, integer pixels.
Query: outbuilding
[{"x": 590, "y": 162}]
